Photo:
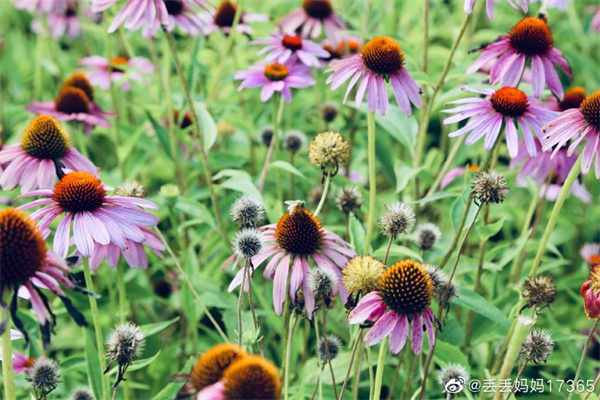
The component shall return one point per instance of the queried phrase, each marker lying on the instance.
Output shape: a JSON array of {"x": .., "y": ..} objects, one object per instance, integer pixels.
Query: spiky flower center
[
  {"x": 80, "y": 81},
  {"x": 174, "y": 7},
  {"x": 252, "y": 378},
  {"x": 276, "y": 72},
  {"x": 319, "y": 9},
  {"x": 510, "y": 102},
  {"x": 406, "y": 288},
  {"x": 293, "y": 43},
  {"x": 595, "y": 259},
  {"x": 45, "y": 139},
  {"x": 22, "y": 249},
  {"x": 299, "y": 232},
  {"x": 572, "y": 98},
  {"x": 382, "y": 55},
  {"x": 531, "y": 36},
  {"x": 225, "y": 14},
  {"x": 590, "y": 108},
  {"x": 72, "y": 100},
  {"x": 210, "y": 366},
  {"x": 353, "y": 46},
  {"x": 117, "y": 62},
  {"x": 79, "y": 191}
]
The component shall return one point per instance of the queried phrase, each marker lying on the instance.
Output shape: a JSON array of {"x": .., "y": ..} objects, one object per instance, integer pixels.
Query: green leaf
[
  {"x": 357, "y": 233},
  {"x": 152, "y": 329},
  {"x": 286, "y": 166},
  {"x": 449, "y": 354},
  {"x": 240, "y": 181},
  {"x": 470, "y": 300},
  {"x": 161, "y": 134},
  {"x": 402, "y": 128},
  {"x": 137, "y": 364},
  {"x": 195, "y": 209},
  {"x": 93, "y": 365},
  {"x": 434, "y": 197},
  {"x": 170, "y": 391},
  {"x": 487, "y": 231},
  {"x": 404, "y": 173},
  {"x": 208, "y": 127}
]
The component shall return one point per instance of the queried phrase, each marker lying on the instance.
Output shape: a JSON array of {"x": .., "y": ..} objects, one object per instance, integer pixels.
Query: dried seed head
[
  {"x": 426, "y": 236},
  {"x": 82, "y": 393},
  {"x": 323, "y": 283},
  {"x": 489, "y": 187},
  {"x": 247, "y": 212},
  {"x": 266, "y": 134},
  {"x": 440, "y": 283},
  {"x": 362, "y": 274},
  {"x": 349, "y": 199},
  {"x": 125, "y": 344},
  {"x": 169, "y": 191},
  {"x": 247, "y": 243},
  {"x": 539, "y": 290},
  {"x": 294, "y": 141},
  {"x": 131, "y": 189},
  {"x": 538, "y": 346},
  {"x": 452, "y": 377},
  {"x": 329, "y": 111},
  {"x": 328, "y": 151},
  {"x": 397, "y": 219},
  {"x": 334, "y": 345},
  {"x": 44, "y": 376}
]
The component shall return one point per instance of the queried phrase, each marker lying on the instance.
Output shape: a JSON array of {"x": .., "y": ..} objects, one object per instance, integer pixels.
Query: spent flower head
[
  {"x": 131, "y": 189},
  {"x": 538, "y": 346},
  {"x": 539, "y": 290},
  {"x": 452, "y": 377},
  {"x": 44, "y": 375},
  {"x": 397, "y": 219},
  {"x": 247, "y": 243},
  {"x": 329, "y": 111},
  {"x": 489, "y": 187},
  {"x": 441, "y": 284},
  {"x": 247, "y": 212},
  {"x": 427, "y": 235},
  {"x": 294, "y": 140},
  {"x": 361, "y": 275},
  {"x": 349, "y": 199},
  {"x": 125, "y": 344},
  {"x": 330, "y": 343},
  {"x": 323, "y": 283},
  {"x": 328, "y": 151},
  {"x": 82, "y": 393}
]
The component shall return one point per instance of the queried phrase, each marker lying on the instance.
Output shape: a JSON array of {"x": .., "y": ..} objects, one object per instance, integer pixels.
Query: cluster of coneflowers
[{"x": 311, "y": 268}]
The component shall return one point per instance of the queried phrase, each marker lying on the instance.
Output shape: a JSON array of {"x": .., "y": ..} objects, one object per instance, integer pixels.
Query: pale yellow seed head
[{"x": 361, "y": 274}]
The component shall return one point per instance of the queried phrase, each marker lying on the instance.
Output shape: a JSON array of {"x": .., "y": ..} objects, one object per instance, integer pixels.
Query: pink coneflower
[
  {"x": 44, "y": 147},
  {"x": 501, "y": 107},
  {"x": 529, "y": 40},
  {"x": 134, "y": 254},
  {"x": 180, "y": 14},
  {"x": 95, "y": 216},
  {"x": 297, "y": 238},
  {"x": 578, "y": 124},
  {"x": 223, "y": 17},
  {"x": 549, "y": 172},
  {"x": 27, "y": 266},
  {"x": 281, "y": 48},
  {"x": 489, "y": 6},
  {"x": 60, "y": 23},
  {"x": 275, "y": 78},
  {"x": 75, "y": 102},
  {"x": 591, "y": 253},
  {"x": 572, "y": 99},
  {"x": 403, "y": 299},
  {"x": 380, "y": 60},
  {"x": 345, "y": 47},
  {"x": 310, "y": 20},
  {"x": 44, "y": 6},
  {"x": 595, "y": 24},
  {"x": 123, "y": 70}
]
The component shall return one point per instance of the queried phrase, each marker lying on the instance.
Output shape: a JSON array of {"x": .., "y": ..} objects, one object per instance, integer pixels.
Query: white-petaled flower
[
  {"x": 247, "y": 243},
  {"x": 248, "y": 211},
  {"x": 427, "y": 235},
  {"x": 397, "y": 219}
]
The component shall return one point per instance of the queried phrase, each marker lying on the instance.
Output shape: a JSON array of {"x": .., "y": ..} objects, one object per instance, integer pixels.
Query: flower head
[
  {"x": 380, "y": 60},
  {"x": 349, "y": 199},
  {"x": 82, "y": 393},
  {"x": 247, "y": 212},
  {"x": 426, "y": 236},
  {"x": 403, "y": 297},
  {"x": 294, "y": 141},
  {"x": 489, "y": 187},
  {"x": 590, "y": 291},
  {"x": 223, "y": 17},
  {"x": 311, "y": 19},
  {"x": 328, "y": 151},
  {"x": 576, "y": 125},
  {"x": 212, "y": 364},
  {"x": 591, "y": 253},
  {"x": 501, "y": 107},
  {"x": 329, "y": 344},
  {"x": 131, "y": 189},
  {"x": 275, "y": 78},
  {"x": 538, "y": 346},
  {"x": 247, "y": 243},
  {"x": 452, "y": 377},
  {"x": 323, "y": 283},
  {"x": 440, "y": 284},
  {"x": 329, "y": 111},
  {"x": 266, "y": 134},
  {"x": 283, "y": 48},
  {"x": 44, "y": 376},
  {"x": 125, "y": 344},
  {"x": 119, "y": 70},
  {"x": 530, "y": 39},
  {"x": 32, "y": 163},
  {"x": 397, "y": 219},
  {"x": 60, "y": 21},
  {"x": 539, "y": 290},
  {"x": 361, "y": 275}
]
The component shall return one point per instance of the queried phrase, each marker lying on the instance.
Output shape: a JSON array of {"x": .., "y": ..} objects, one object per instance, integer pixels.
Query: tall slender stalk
[
  {"x": 372, "y": 179},
  {"x": 123, "y": 309},
  {"x": 352, "y": 355},
  {"x": 396, "y": 374},
  {"x": 584, "y": 354},
  {"x": 326, "y": 343},
  {"x": 7, "y": 364},
  {"x": 277, "y": 115},
  {"x": 115, "y": 103},
  {"x": 324, "y": 195},
  {"x": 198, "y": 136},
  {"x": 411, "y": 376},
  {"x": 425, "y": 35},
  {"x": 240, "y": 305},
  {"x": 516, "y": 266},
  {"x": 89, "y": 283},
  {"x": 380, "y": 366}
]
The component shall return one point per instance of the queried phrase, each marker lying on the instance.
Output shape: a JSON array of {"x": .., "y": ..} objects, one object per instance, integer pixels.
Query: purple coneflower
[
  {"x": 222, "y": 19},
  {"x": 345, "y": 47},
  {"x": 21, "y": 363},
  {"x": 489, "y": 6},
  {"x": 27, "y": 266},
  {"x": 572, "y": 99},
  {"x": 281, "y": 48},
  {"x": 95, "y": 216},
  {"x": 503, "y": 106},
  {"x": 123, "y": 70},
  {"x": 380, "y": 60},
  {"x": 134, "y": 254},
  {"x": 549, "y": 172},
  {"x": 403, "y": 299},
  {"x": 60, "y": 22},
  {"x": 75, "y": 102},
  {"x": 310, "y": 20},
  {"x": 530, "y": 39},
  {"x": 44, "y": 148},
  {"x": 297, "y": 238},
  {"x": 44, "y": 6},
  {"x": 179, "y": 13},
  {"x": 275, "y": 78},
  {"x": 578, "y": 124}
]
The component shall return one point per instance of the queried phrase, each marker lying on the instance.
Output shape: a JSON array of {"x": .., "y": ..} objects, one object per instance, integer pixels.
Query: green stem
[
  {"x": 380, "y": 367},
  {"x": 352, "y": 355},
  {"x": 411, "y": 376},
  {"x": 326, "y": 342},
  {"x": 89, "y": 284},
  {"x": 277, "y": 114},
  {"x": 199, "y": 138},
  {"x": 7, "y": 364},
  {"x": 516, "y": 267},
  {"x": 286, "y": 340},
  {"x": 564, "y": 192},
  {"x": 288, "y": 353},
  {"x": 370, "y": 365},
  {"x": 425, "y": 34},
  {"x": 584, "y": 354},
  {"x": 372, "y": 179},
  {"x": 37, "y": 73},
  {"x": 324, "y": 195},
  {"x": 123, "y": 309},
  {"x": 438, "y": 179}
]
